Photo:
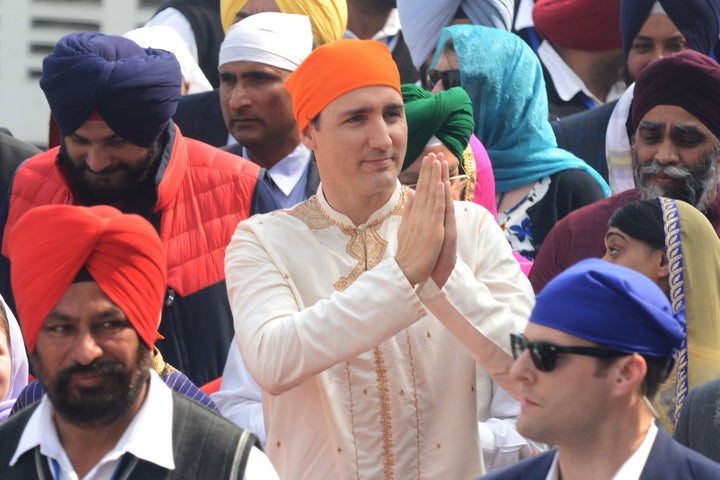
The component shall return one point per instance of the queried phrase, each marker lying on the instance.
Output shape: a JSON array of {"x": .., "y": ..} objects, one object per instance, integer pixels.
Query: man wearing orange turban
[
  {"x": 90, "y": 286},
  {"x": 350, "y": 307}
]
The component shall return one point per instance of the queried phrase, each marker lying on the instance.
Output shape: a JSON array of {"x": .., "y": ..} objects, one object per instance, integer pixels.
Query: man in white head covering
[
  {"x": 256, "y": 57},
  {"x": 258, "y": 54}
]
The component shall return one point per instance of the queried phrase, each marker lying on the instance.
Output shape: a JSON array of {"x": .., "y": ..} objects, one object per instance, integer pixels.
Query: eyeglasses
[
  {"x": 450, "y": 78},
  {"x": 544, "y": 354},
  {"x": 454, "y": 179}
]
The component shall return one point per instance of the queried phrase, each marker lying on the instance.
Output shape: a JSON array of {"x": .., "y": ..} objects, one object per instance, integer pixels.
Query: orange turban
[
  {"x": 51, "y": 244},
  {"x": 335, "y": 69}
]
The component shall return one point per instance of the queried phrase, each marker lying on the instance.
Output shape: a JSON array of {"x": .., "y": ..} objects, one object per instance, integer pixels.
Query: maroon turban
[
  {"x": 590, "y": 25},
  {"x": 687, "y": 79},
  {"x": 50, "y": 245}
]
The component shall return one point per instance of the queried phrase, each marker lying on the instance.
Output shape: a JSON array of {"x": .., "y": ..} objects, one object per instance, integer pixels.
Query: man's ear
[
  {"x": 307, "y": 136},
  {"x": 630, "y": 374}
]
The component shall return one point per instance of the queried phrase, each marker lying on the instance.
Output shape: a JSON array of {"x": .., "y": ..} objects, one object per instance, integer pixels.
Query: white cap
[{"x": 282, "y": 40}]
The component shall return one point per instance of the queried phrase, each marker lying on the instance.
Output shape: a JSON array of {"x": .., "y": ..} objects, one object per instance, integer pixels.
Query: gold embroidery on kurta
[
  {"x": 385, "y": 414},
  {"x": 367, "y": 247},
  {"x": 411, "y": 357}
]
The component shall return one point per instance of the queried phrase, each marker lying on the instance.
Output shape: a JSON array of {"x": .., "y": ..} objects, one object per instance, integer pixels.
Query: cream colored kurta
[{"x": 362, "y": 375}]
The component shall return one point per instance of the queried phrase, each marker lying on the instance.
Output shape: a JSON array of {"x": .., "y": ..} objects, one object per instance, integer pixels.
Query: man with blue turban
[
  {"x": 113, "y": 101},
  {"x": 600, "y": 341}
]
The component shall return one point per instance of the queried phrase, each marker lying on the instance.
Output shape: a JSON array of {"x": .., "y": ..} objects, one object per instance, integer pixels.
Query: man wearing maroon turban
[
  {"x": 113, "y": 101},
  {"x": 674, "y": 126},
  {"x": 89, "y": 284}
]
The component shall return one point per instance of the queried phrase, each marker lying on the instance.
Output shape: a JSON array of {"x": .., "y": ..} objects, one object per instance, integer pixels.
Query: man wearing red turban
[
  {"x": 581, "y": 53},
  {"x": 90, "y": 285}
]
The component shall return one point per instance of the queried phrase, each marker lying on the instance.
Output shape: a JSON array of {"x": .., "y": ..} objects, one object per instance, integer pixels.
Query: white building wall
[{"x": 29, "y": 30}]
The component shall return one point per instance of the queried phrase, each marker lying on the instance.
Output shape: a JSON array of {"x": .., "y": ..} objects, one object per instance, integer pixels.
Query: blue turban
[
  {"x": 135, "y": 90},
  {"x": 697, "y": 20},
  {"x": 613, "y": 306}
]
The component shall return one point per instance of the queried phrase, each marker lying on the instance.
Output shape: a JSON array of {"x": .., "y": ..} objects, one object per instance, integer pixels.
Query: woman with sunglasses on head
[
  {"x": 674, "y": 244},
  {"x": 536, "y": 183}
]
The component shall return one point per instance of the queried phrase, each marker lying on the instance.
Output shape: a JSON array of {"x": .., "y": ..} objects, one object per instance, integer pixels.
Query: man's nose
[
  {"x": 86, "y": 349},
  {"x": 97, "y": 160}
]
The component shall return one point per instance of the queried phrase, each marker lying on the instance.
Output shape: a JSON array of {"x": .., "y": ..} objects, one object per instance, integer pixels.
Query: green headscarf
[{"x": 447, "y": 116}]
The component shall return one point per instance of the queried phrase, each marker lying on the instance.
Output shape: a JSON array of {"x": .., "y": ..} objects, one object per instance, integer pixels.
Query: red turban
[
  {"x": 687, "y": 79},
  {"x": 51, "y": 244},
  {"x": 590, "y": 25},
  {"x": 335, "y": 69}
]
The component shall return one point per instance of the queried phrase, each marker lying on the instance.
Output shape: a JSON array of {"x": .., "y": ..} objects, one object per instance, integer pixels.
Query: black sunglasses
[
  {"x": 544, "y": 354},
  {"x": 450, "y": 78}
]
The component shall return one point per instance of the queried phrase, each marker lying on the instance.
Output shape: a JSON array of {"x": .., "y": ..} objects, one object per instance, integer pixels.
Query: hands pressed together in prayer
[{"x": 427, "y": 237}]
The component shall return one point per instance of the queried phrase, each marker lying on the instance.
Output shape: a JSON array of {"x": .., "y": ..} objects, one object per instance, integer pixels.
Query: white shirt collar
[
  {"x": 148, "y": 437},
  {"x": 633, "y": 466},
  {"x": 288, "y": 171},
  {"x": 387, "y": 34},
  {"x": 567, "y": 83}
]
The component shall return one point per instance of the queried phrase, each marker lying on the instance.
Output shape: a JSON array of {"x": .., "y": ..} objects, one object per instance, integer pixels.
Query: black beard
[
  {"x": 136, "y": 177},
  {"x": 699, "y": 186},
  {"x": 101, "y": 405}
]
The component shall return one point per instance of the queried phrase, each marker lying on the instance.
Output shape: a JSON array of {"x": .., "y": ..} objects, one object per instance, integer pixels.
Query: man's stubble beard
[{"x": 699, "y": 186}]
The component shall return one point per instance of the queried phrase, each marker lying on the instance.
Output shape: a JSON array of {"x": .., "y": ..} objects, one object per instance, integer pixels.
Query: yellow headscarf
[
  {"x": 328, "y": 17},
  {"x": 693, "y": 253}
]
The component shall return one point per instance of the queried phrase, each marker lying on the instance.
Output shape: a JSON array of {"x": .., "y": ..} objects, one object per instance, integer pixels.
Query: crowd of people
[{"x": 334, "y": 239}]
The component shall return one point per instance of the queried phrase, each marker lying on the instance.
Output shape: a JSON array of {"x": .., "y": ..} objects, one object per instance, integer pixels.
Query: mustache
[
  {"x": 654, "y": 167},
  {"x": 97, "y": 367}
]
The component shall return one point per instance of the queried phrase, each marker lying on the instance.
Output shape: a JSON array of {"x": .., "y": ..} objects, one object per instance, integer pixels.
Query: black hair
[
  {"x": 642, "y": 220},
  {"x": 658, "y": 370}
]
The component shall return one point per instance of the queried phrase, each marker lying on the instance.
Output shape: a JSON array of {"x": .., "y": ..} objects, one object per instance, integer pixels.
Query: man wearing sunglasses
[{"x": 600, "y": 341}]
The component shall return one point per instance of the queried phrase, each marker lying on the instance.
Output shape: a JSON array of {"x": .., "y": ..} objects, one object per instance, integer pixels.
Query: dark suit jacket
[
  {"x": 584, "y": 135},
  {"x": 667, "y": 460},
  {"x": 313, "y": 177},
  {"x": 199, "y": 116},
  {"x": 699, "y": 425}
]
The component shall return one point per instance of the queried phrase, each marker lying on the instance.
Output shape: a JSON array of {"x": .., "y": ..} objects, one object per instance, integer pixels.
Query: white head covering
[
  {"x": 422, "y": 20},
  {"x": 166, "y": 38},
  {"x": 282, "y": 40},
  {"x": 18, "y": 363}
]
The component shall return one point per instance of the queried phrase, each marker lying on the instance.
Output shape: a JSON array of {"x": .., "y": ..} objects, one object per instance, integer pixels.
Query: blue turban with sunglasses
[
  {"x": 135, "y": 90},
  {"x": 613, "y": 306}
]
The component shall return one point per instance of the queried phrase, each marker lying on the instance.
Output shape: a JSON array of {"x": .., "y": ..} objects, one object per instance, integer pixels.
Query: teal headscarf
[
  {"x": 447, "y": 116},
  {"x": 504, "y": 79}
]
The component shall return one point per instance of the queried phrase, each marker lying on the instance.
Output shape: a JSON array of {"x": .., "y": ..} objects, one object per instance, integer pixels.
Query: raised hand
[
  {"x": 422, "y": 231},
  {"x": 448, "y": 253}
]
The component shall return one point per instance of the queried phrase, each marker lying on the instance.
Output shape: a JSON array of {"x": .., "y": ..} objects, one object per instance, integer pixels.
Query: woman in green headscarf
[{"x": 674, "y": 244}]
